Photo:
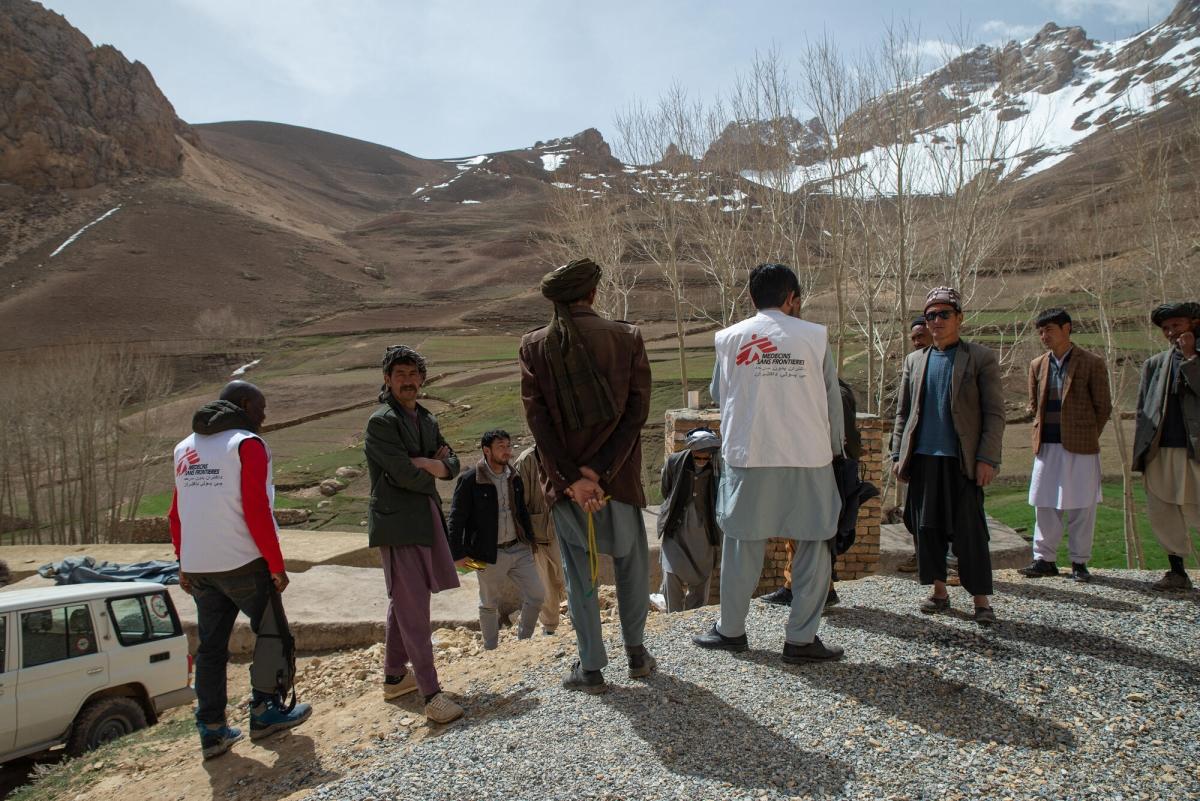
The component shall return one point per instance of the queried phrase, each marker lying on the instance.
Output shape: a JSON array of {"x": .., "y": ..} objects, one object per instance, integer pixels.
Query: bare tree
[{"x": 595, "y": 224}]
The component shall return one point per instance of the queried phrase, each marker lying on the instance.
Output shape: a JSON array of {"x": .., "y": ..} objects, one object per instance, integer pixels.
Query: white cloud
[
  {"x": 998, "y": 31},
  {"x": 933, "y": 52},
  {"x": 1117, "y": 11}
]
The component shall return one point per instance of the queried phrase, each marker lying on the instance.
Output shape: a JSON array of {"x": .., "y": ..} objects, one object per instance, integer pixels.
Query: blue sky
[{"x": 444, "y": 78}]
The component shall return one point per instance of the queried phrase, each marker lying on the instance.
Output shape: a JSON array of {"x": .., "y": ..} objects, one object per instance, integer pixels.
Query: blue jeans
[{"x": 219, "y": 598}]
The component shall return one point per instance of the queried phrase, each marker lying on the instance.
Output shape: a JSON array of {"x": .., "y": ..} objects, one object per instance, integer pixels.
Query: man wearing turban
[
  {"x": 1166, "y": 442},
  {"x": 585, "y": 385}
]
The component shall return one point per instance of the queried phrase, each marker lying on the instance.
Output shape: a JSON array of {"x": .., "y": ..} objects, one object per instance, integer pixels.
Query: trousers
[
  {"x": 741, "y": 568},
  {"x": 514, "y": 563},
  {"x": 620, "y": 533},
  {"x": 1048, "y": 533},
  {"x": 219, "y": 598}
]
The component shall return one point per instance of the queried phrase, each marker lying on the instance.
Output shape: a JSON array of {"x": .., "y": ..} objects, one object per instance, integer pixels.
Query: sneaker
[
  {"x": 909, "y": 565},
  {"x": 1039, "y": 568},
  {"x": 984, "y": 615},
  {"x": 641, "y": 663},
  {"x": 831, "y": 598},
  {"x": 1173, "y": 581},
  {"x": 1079, "y": 573},
  {"x": 588, "y": 681},
  {"x": 781, "y": 597},
  {"x": 214, "y": 742},
  {"x": 715, "y": 640},
  {"x": 269, "y": 717},
  {"x": 396, "y": 686},
  {"x": 815, "y": 651},
  {"x": 440, "y": 709},
  {"x": 934, "y": 605}
]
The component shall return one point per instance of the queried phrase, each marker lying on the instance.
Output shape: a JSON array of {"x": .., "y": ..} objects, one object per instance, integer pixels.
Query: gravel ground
[{"x": 1078, "y": 692}]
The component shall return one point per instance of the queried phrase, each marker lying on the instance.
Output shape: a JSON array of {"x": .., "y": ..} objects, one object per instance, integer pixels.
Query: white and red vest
[
  {"x": 208, "y": 485},
  {"x": 774, "y": 402}
]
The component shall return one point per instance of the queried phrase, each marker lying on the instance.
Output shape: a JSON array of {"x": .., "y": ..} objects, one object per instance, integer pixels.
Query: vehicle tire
[{"x": 104, "y": 720}]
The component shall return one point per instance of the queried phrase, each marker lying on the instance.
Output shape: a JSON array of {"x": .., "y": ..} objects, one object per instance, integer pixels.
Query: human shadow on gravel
[
  {"x": 489, "y": 707},
  {"x": 1082, "y": 642},
  {"x": 915, "y": 629},
  {"x": 1143, "y": 588},
  {"x": 1043, "y": 591},
  {"x": 921, "y": 695},
  {"x": 695, "y": 733}
]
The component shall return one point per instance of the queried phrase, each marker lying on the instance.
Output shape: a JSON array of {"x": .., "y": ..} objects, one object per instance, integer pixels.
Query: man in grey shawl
[
  {"x": 687, "y": 521},
  {"x": 585, "y": 385},
  {"x": 781, "y": 426}
]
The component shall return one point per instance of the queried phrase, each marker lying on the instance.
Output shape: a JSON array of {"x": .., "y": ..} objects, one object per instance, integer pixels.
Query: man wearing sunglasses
[{"x": 947, "y": 444}]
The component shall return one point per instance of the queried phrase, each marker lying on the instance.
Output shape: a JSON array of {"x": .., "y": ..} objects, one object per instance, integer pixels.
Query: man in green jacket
[
  {"x": 1166, "y": 441},
  {"x": 405, "y": 455}
]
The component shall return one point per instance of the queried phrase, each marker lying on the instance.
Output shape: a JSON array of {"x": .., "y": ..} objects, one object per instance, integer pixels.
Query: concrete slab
[
  {"x": 301, "y": 551},
  {"x": 1008, "y": 548}
]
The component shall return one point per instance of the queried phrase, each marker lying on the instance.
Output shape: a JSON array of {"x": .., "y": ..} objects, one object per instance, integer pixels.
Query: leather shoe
[
  {"x": 717, "y": 641},
  {"x": 815, "y": 651},
  {"x": 781, "y": 597}
]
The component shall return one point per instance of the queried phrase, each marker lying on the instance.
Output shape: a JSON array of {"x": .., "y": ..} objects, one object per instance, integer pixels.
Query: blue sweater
[{"x": 935, "y": 431}]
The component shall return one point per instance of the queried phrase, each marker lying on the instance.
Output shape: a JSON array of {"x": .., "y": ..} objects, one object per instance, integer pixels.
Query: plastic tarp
[{"x": 86, "y": 570}]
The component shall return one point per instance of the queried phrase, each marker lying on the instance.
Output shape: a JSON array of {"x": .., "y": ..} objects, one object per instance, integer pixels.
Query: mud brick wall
[{"x": 863, "y": 557}]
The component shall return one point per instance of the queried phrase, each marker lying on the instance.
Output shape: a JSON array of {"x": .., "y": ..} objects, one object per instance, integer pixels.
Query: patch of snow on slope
[{"x": 79, "y": 233}]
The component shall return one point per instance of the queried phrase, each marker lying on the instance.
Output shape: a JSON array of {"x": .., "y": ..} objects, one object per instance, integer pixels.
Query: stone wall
[
  {"x": 863, "y": 557},
  {"x": 149, "y": 530}
]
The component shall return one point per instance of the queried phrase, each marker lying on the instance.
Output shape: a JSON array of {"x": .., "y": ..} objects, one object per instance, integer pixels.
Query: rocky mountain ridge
[{"x": 73, "y": 115}]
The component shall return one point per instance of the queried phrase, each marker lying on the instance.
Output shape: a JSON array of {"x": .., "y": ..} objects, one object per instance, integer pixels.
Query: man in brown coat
[
  {"x": 585, "y": 384},
  {"x": 947, "y": 444},
  {"x": 1070, "y": 402}
]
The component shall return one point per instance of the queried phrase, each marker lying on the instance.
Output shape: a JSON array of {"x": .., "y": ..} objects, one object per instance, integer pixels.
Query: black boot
[
  {"x": 641, "y": 663},
  {"x": 589, "y": 681},
  {"x": 1079, "y": 573}
]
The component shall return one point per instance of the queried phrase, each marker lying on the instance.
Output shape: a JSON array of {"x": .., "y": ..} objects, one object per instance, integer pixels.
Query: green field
[{"x": 1009, "y": 505}]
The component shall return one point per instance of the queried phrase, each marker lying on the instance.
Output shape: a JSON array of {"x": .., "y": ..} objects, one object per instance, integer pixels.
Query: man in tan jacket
[
  {"x": 947, "y": 444},
  {"x": 1070, "y": 402},
  {"x": 546, "y": 553}
]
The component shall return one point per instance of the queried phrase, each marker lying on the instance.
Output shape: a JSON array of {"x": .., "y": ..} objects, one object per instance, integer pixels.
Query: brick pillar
[{"x": 863, "y": 557}]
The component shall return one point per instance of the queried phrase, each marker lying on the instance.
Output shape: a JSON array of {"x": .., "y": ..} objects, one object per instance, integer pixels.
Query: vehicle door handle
[
  {"x": 163, "y": 657},
  {"x": 95, "y": 670}
]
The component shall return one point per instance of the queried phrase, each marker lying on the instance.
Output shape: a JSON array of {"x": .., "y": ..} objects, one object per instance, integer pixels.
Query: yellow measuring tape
[{"x": 593, "y": 552}]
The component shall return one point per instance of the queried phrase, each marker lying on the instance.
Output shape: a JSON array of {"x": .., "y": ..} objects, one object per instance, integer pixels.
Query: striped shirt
[{"x": 1052, "y": 419}]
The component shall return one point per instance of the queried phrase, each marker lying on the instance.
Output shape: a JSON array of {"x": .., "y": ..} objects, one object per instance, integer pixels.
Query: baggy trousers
[
  {"x": 408, "y": 637},
  {"x": 620, "y": 533},
  {"x": 679, "y": 600},
  {"x": 514, "y": 562},
  {"x": 741, "y": 568},
  {"x": 219, "y": 597},
  {"x": 550, "y": 569},
  {"x": 1048, "y": 533},
  {"x": 945, "y": 508}
]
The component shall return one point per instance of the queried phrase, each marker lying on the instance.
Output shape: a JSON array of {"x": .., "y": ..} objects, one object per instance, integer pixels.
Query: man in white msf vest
[
  {"x": 223, "y": 527},
  {"x": 781, "y": 425}
]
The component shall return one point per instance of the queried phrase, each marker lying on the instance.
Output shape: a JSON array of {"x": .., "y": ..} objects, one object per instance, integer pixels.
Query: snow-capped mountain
[{"x": 1015, "y": 110}]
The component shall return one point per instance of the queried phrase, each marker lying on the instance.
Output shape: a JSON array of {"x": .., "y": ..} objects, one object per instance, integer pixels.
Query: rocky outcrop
[{"x": 73, "y": 115}]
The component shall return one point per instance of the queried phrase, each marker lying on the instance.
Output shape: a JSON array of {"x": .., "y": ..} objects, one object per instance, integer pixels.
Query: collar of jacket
[
  {"x": 483, "y": 473},
  {"x": 398, "y": 409}
]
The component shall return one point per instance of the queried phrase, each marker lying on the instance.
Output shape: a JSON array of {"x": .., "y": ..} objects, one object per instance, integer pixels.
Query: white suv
[{"x": 84, "y": 664}]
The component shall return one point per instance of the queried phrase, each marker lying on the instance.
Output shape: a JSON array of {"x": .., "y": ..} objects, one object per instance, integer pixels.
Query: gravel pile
[{"x": 1078, "y": 692}]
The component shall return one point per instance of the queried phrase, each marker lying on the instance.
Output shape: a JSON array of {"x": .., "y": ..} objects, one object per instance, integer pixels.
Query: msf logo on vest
[
  {"x": 755, "y": 349},
  {"x": 189, "y": 459}
]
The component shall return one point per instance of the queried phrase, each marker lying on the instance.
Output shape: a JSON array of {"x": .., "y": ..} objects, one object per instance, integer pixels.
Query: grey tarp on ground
[{"x": 86, "y": 570}]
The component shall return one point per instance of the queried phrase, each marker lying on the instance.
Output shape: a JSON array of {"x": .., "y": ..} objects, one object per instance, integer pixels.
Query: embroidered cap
[{"x": 944, "y": 294}]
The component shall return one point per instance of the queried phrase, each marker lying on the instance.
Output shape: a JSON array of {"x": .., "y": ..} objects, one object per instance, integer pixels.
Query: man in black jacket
[
  {"x": 687, "y": 521},
  {"x": 489, "y": 522}
]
